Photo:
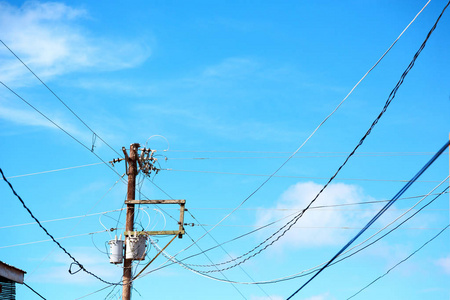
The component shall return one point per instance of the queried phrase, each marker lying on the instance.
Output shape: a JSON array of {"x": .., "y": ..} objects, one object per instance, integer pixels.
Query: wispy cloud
[
  {"x": 49, "y": 38},
  {"x": 28, "y": 117}
]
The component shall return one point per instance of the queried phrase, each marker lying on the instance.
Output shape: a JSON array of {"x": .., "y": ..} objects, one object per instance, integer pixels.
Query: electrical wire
[
  {"x": 33, "y": 290},
  {"x": 62, "y": 219},
  {"x": 384, "y": 209},
  {"x": 317, "y": 227},
  {"x": 400, "y": 262},
  {"x": 59, "y": 238},
  {"x": 273, "y": 222},
  {"x": 228, "y": 254},
  {"x": 289, "y": 225},
  {"x": 59, "y": 127},
  {"x": 315, "y": 269},
  {"x": 299, "y": 274},
  {"x": 106, "y": 229},
  {"x": 388, "y": 101},
  {"x": 297, "y": 156},
  {"x": 217, "y": 172},
  {"x": 46, "y": 232},
  {"x": 287, "y": 176},
  {"x": 387, "y": 225},
  {"x": 95, "y": 292},
  {"x": 321, "y": 207},
  {"x": 110, "y": 295},
  {"x": 218, "y": 245},
  {"x": 78, "y": 223},
  {"x": 206, "y": 255},
  {"x": 95, "y": 135},
  {"x": 51, "y": 171},
  {"x": 303, "y": 153}
]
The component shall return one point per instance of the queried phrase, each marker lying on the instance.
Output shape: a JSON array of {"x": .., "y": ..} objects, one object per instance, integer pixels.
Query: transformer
[
  {"x": 116, "y": 250},
  {"x": 135, "y": 247}
]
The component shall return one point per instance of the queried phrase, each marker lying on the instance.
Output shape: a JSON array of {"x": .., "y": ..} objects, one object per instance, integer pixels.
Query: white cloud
[
  {"x": 318, "y": 227},
  {"x": 46, "y": 36},
  {"x": 444, "y": 263}
]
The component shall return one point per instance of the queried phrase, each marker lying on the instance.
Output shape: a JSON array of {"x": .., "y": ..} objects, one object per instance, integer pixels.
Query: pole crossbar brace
[
  {"x": 163, "y": 232},
  {"x": 179, "y": 232},
  {"x": 155, "y": 202}
]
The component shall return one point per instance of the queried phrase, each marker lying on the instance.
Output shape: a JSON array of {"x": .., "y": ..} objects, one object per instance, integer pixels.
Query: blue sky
[{"x": 233, "y": 88}]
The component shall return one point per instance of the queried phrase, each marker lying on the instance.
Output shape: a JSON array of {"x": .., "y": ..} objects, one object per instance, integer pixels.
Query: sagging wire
[
  {"x": 283, "y": 230},
  {"x": 51, "y": 236},
  {"x": 306, "y": 271},
  {"x": 373, "y": 235}
]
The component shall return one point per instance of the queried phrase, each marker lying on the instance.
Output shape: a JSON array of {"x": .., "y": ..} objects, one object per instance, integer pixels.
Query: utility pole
[
  {"x": 129, "y": 226},
  {"x": 135, "y": 163}
]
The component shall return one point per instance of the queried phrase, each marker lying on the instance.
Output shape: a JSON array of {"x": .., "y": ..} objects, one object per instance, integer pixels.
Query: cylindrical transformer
[
  {"x": 115, "y": 251},
  {"x": 135, "y": 247}
]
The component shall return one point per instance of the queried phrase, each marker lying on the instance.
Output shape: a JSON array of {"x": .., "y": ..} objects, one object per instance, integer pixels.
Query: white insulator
[
  {"x": 135, "y": 247},
  {"x": 115, "y": 251}
]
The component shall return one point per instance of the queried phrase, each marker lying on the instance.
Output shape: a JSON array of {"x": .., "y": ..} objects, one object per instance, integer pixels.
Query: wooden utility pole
[{"x": 129, "y": 226}]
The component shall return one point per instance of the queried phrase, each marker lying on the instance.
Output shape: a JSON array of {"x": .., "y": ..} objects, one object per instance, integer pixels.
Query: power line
[
  {"x": 33, "y": 290},
  {"x": 95, "y": 135},
  {"x": 226, "y": 262},
  {"x": 320, "y": 125},
  {"x": 311, "y": 227},
  {"x": 57, "y": 170},
  {"x": 46, "y": 232},
  {"x": 391, "y": 97},
  {"x": 311, "y": 270},
  {"x": 424, "y": 197},
  {"x": 321, "y": 207},
  {"x": 63, "y": 219},
  {"x": 221, "y": 247},
  {"x": 400, "y": 262},
  {"x": 223, "y": 173},
  {"x": 73, "y": 228},
  {"x": 59, "y": 238},
  {"x": 314, "y": 207},
  {"x": 384, "y": 209},
  {"x": 203, "y": 252},
  {"x": 303, "y": 155},
  {"x": 315, "y": 269},
  {"x": 304, "y": 272},
  {"x": 306, "y": 153},
  {"x": 290, "y": 176},
  {"x": 300, "y": 274},
  {"x": 104, "y": 288},
  {"x": 59, "y": 127}
]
